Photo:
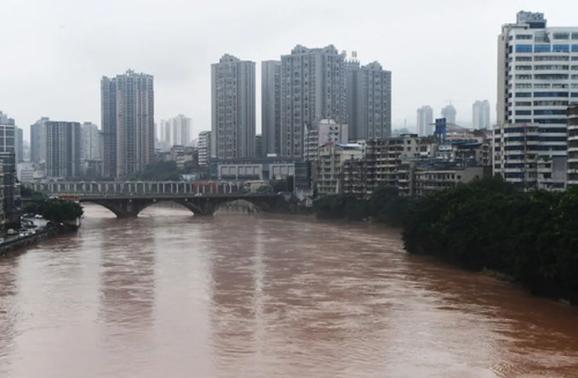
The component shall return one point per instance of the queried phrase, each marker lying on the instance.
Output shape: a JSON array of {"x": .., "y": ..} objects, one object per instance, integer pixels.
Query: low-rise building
[
  {"x": 268, "y": 169},
  {"x": 330, "y": 164},
  {"x": 326, "y": 131},
  {"x": 433, "y": 178}
]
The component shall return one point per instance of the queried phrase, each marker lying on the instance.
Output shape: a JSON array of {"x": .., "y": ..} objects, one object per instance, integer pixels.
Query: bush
[{"x": 56, "y": 210}]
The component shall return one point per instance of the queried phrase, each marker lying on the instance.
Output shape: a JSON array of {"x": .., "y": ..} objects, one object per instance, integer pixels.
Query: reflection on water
[{"x": 172, "y": 295}]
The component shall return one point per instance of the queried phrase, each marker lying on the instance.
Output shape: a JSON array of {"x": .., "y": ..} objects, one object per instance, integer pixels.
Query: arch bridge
[{"x": 128, "y": 198}]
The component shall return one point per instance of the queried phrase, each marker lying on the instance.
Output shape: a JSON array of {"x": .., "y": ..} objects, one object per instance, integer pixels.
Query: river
[{"x": 171, "y": 295}]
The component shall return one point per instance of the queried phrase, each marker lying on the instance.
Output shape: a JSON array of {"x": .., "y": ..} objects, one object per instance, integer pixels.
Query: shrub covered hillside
[{"x": 488, "y": 224}]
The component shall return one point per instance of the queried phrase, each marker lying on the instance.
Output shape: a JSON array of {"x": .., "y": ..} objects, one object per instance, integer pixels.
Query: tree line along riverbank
[{"x": 531, "y": 237}]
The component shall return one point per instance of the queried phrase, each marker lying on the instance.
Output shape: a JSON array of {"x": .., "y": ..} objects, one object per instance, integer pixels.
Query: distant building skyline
[
  {"x": 449, "y": 112},
  {"x": 425, "y": 121},
  {"x": 175, "y": 131},
  {"x": 481, "y": 115}
]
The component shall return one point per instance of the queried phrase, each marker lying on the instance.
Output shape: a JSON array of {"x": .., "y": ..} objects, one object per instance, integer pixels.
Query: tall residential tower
[
  {"x": 127, "y": 109},
  {"x": 271, "y": 106},
  {"x": 368, "y": 101},
  {"x": 312, "y": 89},
  {"x": 233, "y": 108}
]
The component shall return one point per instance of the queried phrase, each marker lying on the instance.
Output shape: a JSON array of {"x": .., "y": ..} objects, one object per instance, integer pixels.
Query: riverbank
[
  {"x": 487, "y": 225},
  {"x": 17, "y": 244}
]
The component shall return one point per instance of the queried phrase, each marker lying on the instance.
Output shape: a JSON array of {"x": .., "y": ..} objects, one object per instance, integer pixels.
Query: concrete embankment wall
[{"x": 10, "y": 245}]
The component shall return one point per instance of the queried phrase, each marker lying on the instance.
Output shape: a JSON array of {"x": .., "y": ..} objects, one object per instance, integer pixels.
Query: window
[
  {"x": 550, "y": 94},
  {"x": 574, "y": 35},
  {"x": 556, "y": 121},
  {"x": 575, "y": 48},
  {"x": 544, "y": 67},
  {"x": 523, "y": 94},
  {"x": 523, "y": 112},
  {"x": 523, "y": 85},
  {"x": 523, "y": 48},
  {"x": 549, "y": 112},
  {"x": 561, "y": 48},
  {"x": 523, "y": 68},
  {"x": 551, "y": 58},
  {"x": 524, "y": 77},
  {"x": 523, "y": 103},
  {"x": 523, "y": 59},
  {"x": 542, "y": 48},
  {"x": 550, "y": 76},
  {"x": 561, "y": 35},
  {"x": 542, "y": 85},
  {"x": 550, "y": 103},
  {"x": 524, "y": 36}
]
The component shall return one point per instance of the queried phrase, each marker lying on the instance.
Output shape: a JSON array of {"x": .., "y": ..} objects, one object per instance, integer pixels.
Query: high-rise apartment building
[
  {"x": 368, "y": 101},
  {"x": 425, "y": 121},
  {"x": 312, "y": 89},
  {"x": 63, "y": 149},
  {"x": 204, "y": 147},
  {"x": 38, "y": 141},
  {"x": 176, "y": 131},
  {"x": 91, "y": 142},
  {"x": 449, "y": 113},
  {"x": 481, "y": 115},
  {"x": 233, "y": 108},
  {"x": 19, "y": 145},
  {"x": 537, "y": 80},
  {"x": 10, "y": 192},
  {"x": 127, "y": 110},
  {"x": 271, "y": 106}
]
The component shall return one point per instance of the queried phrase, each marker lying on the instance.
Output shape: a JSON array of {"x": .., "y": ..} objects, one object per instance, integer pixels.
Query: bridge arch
[{"x": 131, "y": 208}]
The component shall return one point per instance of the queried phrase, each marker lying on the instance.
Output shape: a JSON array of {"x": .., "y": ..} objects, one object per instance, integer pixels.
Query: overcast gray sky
[{"x": 54, "y": 52}]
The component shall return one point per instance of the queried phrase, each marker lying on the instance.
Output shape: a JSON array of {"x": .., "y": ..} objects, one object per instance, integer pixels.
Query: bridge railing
[{"x": 160, "y": 188}]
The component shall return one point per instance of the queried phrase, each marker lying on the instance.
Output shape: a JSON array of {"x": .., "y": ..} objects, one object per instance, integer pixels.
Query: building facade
[
  {"x": 91, "y": 150},
  {"x": 271, "y": 106},
  {"x": 127, "y": 110},
  {"x": 537, "y": 80},
  {"x": 368, "y": 101},
  {"x": 38, "y": 141},
  {"x": 10, "y": 188},
  {"x": 481, "y": 115},
  {"x": 425, "y": 121},
  {"x": 312, "y": 89},
  {"x": 326, "y": 131},
  {"x": 63, "y": 149},
  {"x": 233, "y": 108},
  {"x": 204, "y": 147},
  {"x": 572, "y": 145}
]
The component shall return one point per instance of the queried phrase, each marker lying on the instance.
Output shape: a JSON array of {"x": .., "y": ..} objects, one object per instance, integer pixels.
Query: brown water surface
[{"x": 170, "y": 295}]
